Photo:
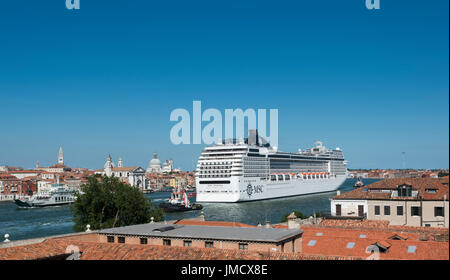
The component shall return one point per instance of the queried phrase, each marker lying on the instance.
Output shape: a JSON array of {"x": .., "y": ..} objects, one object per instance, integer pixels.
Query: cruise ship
[{"x": 240, "y": 170}]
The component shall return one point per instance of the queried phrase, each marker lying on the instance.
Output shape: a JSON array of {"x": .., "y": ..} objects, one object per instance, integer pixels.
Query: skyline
[{"x": 104, "y": 79}]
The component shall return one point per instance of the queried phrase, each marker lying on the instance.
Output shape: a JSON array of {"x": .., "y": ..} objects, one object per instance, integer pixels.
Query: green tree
[
  {"x": 105, "y": 202},
  {"x": 299, "y": 215}
]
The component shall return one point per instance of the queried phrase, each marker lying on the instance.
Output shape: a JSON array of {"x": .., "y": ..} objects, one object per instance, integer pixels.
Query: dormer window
[
  {"x": 431, "y": 190},
  {"x": 404, "y": 190}
]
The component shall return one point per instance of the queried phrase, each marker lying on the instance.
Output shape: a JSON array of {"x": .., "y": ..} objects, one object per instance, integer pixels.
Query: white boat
[
  {"x": 250, "y": 169},
  {"x": 59, "y": 194}
]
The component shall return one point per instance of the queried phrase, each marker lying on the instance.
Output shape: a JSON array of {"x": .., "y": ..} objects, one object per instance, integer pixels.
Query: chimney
[
  {"x": 292, "y": 221},
  {"x": 253, "y": 137},
  {"x": 268, "y": 225},
  {"x": 259, "y": 225},
  {"x": 202, "y": 216},
  {"x": 338, "y": 193}
]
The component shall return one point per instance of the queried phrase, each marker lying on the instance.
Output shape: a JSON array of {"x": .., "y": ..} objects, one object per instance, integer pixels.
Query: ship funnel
[{"x": 253, "y": 138}]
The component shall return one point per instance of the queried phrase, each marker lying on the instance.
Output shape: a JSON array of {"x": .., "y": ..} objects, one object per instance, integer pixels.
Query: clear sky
[{"x": 104, "y": 79}]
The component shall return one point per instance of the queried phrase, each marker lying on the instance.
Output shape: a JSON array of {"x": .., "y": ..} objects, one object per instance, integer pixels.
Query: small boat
[
  {"x": 179, "y": 202},
  {"x": 58, "y": 195},
  {"x": 359, "y": 183}
]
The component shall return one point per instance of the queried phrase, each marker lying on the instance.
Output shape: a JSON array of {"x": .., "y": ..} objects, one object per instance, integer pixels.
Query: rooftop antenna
[{"x": 404, "y": 160}]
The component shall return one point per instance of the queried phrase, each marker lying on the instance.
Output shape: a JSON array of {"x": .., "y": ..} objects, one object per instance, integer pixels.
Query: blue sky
[{"x": 104, "y": 79}]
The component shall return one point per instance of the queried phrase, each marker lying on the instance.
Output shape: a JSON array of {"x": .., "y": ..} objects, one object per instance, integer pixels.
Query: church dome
[{"x": 155, "y": 163}]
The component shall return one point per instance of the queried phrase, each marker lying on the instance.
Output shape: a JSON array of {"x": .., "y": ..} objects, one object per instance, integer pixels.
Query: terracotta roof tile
[
  {"x": 106, "y": 251},
  {"x": 422, "y": 185}
]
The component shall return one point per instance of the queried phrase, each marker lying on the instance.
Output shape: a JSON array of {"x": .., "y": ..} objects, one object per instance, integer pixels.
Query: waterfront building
[
  {"x": 12, "y": 187},
  {"x": 134, "y": 176},
  {"x": 412, "y": 202},
  {"x": 155, "y": 165},
  {"x": 233, "y": 238}
]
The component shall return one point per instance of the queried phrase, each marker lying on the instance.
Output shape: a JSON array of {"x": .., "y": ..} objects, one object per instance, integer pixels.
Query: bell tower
[
  {"x": 60, "y": 156},
  {"x": 108, "y": 166}
]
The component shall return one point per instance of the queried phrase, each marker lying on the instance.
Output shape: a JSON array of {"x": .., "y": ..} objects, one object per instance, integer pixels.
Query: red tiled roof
[
  {"x": 24, "y": 171},
  {"x": 59, "y": 165},
  {"x": 125, "y": 168},
  {"x": 335, "y": 242},
  {"x": 4, "y": 176},
  {"x": 418, "y": 184},
  {"x": 105, "y": 251}
]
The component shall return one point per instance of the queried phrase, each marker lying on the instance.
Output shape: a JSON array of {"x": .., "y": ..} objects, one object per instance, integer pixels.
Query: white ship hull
[{"x": 242, "y": 189}]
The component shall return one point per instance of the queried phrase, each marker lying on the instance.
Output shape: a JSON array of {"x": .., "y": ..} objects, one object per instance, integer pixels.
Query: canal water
[{"x": 22, "y": 223}]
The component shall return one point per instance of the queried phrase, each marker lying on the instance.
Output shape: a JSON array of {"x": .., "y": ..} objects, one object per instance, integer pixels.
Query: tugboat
[
  {"x": 358, "y": 183},
  {"x": 179, "y": 202}
]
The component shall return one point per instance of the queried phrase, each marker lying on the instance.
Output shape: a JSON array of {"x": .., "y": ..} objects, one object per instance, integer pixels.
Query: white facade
[
  {"x": 349, "y": 208},
  {"x": 135, "y": 176},
  {"x": 23, "y": 174}
]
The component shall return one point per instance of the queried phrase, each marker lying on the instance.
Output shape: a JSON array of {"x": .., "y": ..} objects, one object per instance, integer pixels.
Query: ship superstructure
[
  {"x": 250, "y": 169},
  {"x": 58, "y": 195}
]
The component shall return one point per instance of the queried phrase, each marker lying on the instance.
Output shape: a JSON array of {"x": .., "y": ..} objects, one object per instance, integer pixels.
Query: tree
[
  {"x": 297, "y": 213},
  {"x": 106, "y": 202},
  {"x": 300, "y": 216}
]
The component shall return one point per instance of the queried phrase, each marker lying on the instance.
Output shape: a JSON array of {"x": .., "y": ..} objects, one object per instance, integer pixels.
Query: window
[
  {"x": 399, "y": 210},
  {"x": 209, "y": 244},
  {"x": 338, "y": 210},
  {"x": 187, "y": 243},
  {"x": 387, "y": 210},
  {"x": 361, "y": 210},
  {"x": 121, "y": 239},
  {"x": 377, "y": 210},
  {"x": 144, "y": 241},
  {"x": 167, "y": 242},
  {"x": 415, "y": 211},
  {"x": 412, "y": 249},
  {"x": 110, "y": 239},
  {"x": 243, "y": 246},
  {"x": 439, "y": 211},
  {"x": 404, "y": 190}
]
